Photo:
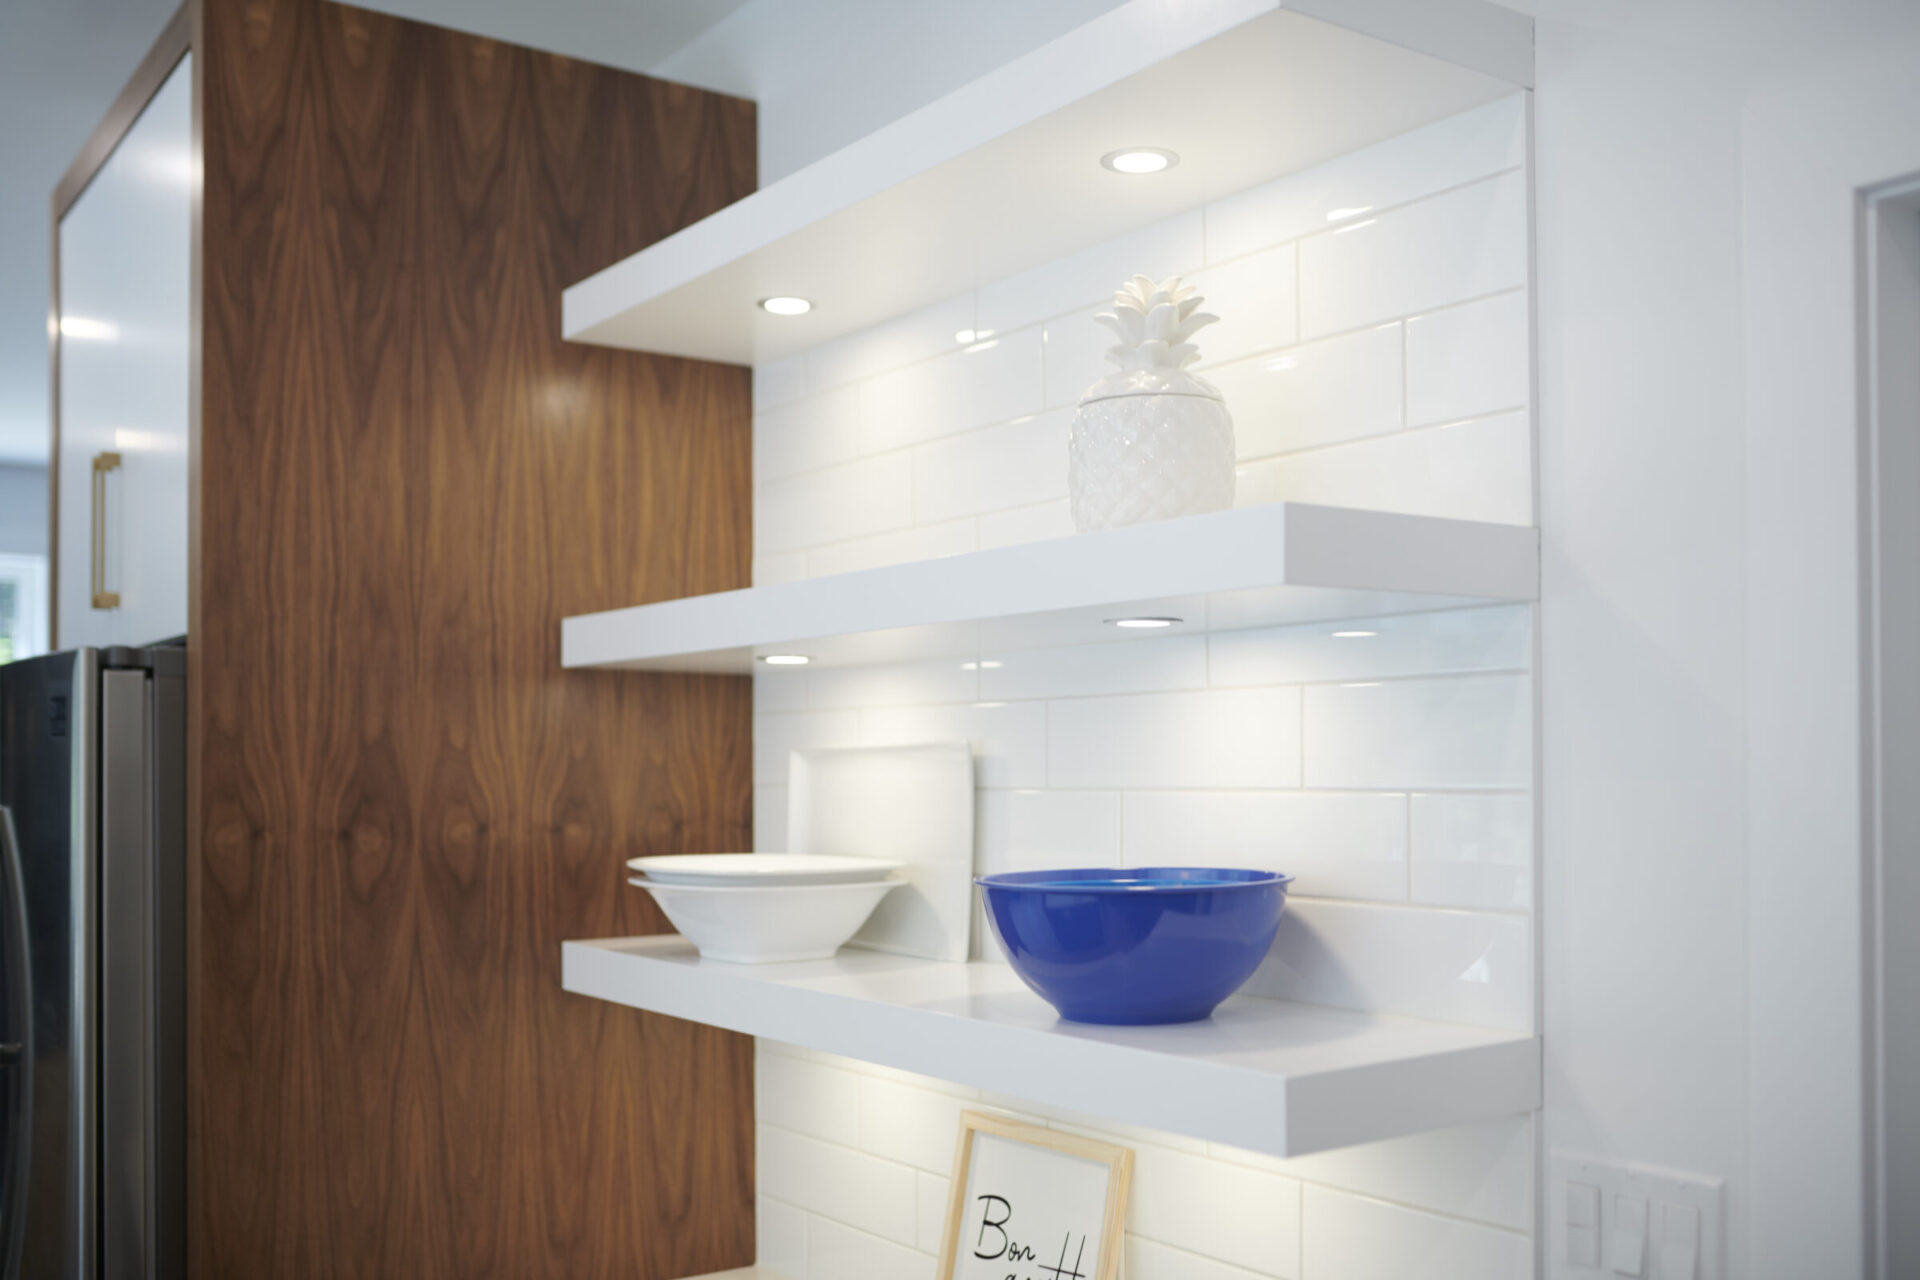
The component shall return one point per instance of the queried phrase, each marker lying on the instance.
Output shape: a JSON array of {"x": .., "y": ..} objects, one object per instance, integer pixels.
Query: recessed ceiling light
[
  {"x": 786, "y": 659},
  {"x": 1140, "y": 160},
  {"x": 81, "y": 327},
  {"x": 784, "y": 305},
  {"x": 1354, "y": 635},
  {"x": 1142, "y": 624}
]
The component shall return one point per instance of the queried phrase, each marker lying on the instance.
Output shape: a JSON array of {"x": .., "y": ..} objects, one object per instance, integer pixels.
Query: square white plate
[{"x": 910, "y": 804}]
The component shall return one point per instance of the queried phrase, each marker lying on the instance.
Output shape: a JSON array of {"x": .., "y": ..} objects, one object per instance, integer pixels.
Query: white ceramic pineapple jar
[{"x": 1152, "y": 440}]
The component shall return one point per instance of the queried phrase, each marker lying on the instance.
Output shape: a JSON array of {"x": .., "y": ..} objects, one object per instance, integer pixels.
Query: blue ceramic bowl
[{"x": 1135, "y": 945}]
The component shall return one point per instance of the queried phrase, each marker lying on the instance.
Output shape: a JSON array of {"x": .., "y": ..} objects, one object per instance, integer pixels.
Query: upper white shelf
[
  {"x": 1259, "y": 566},
  {"x": 1266, "y": 1075},
  {"x": 1004, "y": 174}
]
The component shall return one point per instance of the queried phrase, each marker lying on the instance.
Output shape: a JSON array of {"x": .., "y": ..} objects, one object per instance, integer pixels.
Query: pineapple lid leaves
[{"x": 1153, "y": 322}]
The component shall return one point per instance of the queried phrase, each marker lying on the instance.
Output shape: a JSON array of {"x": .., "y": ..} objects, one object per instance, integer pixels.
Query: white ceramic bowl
[
  {"x": 762, "y": 924},
  {"x": 760, "y": 868}
]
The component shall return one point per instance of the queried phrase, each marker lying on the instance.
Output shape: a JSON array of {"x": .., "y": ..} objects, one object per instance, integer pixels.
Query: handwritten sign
[{"x": 1033, "y": 1204}]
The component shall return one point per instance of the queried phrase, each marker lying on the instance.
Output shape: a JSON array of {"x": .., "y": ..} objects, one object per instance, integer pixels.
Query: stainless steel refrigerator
[{"x": 92, "y": 938}]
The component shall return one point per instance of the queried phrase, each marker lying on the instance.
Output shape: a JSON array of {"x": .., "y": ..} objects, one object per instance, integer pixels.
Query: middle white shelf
[
  {"x": 1266, "y": 1075},
  {"x": 1258, "y": 566}
]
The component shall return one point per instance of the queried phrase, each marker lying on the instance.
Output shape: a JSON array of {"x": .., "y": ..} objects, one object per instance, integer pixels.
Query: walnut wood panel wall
[{"x": 405, "y": 480}]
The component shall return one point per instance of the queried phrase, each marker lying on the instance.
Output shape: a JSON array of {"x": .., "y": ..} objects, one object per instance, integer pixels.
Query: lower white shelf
[{"x": 1266, "y": 1075}]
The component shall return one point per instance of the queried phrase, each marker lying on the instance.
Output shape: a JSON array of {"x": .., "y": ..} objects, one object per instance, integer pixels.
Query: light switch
[
  {"x": 1676, "y": 1250},
  {"x": 1583, "y": 1225},
  {"x": 1628, "y": 1243}
]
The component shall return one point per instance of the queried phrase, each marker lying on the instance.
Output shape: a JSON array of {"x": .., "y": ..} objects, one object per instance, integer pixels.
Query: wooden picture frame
[{"x": 1078, "y": 1204}]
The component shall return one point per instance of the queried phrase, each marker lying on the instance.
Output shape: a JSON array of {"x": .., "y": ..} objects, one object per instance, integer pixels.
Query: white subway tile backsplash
[
  {"x": 1468, "y": 361},
  {"x": 923, "y": 542},
  {"x": 778, "y": 690},
  {"x": 777, "y": 733},
  {"x": 1076, "y": 355},
  {"x": 807, "y": 1097},
  {"x": 1026, "y": 524},
  {"x": 1334, "y": 845},
  {"x": 909, "y": 1125},
  {"x": 931, "y": 1193},
  {"x": 835, "y": 1252},
  {"x": 1248, "y": 738},
  {"x": 1466, "y": 731},
  {"x": 1490, "y": 639},
  {"x": 1346, "y": 1237},
  {"x": 805, "y": 435},
  {"x": 848, "y": 1186},
  {"x": 1016, "y": 464},
  {"x": 966, "y": 387},
  {"x": 847, "y": 501},
  {"x": 1255, "y": 300},
  {"x": 769, "y": 820},
  {"x": 1009, "y": 738},
  {"x": 1473, "y": 851},
  {"x": 780, "y": 1230},
  {"x": 1474, "y": 144},
  {"x": 1455, "y": 966},
  {"x": 918, "y": 335},
  {"x": 1450, "y": 248},
  {"x": 1034, "y": 830},
  {"x": 768, "y": 570},
  {"x": 1481, "y": 470},
  {"x": 779, "y": 382},
  {"x": 1150, "y": 1260},
  {"x": 1134, "y": 666},
  {"x": 935, "y": 681},
  {"x": 1243, "y": 1216},
  {"x": 1480, "y": 1171},
  {"x": 1321, "y": 393},
  {"x": 1091, "y": 276}
]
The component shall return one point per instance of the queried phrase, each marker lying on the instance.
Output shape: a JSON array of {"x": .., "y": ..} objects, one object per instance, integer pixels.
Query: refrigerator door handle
[{"x": 19, "y": 1155}]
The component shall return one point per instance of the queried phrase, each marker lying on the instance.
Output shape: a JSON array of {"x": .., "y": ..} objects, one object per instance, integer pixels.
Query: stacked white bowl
[{"x": 758, "y": 908}]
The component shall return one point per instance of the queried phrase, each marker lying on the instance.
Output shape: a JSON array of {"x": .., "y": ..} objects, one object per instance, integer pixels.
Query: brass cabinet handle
[{"x": 102, "y": 598}]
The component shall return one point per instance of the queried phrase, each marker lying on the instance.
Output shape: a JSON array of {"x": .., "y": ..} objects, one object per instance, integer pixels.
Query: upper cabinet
[{"x": 122, "y": 368}]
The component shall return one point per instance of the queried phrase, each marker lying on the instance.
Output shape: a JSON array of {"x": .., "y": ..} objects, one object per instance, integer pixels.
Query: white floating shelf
[
  {"x": 1003, "y": 174},
  {"x": 1259, "y": 566},
  {"x": 1267, "y": 1075}
]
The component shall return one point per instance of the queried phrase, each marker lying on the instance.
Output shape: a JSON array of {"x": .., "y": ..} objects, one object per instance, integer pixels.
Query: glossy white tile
[
  {"x": 1244, "y": 738},
  {"x": 768, "y": 570},
  {"x": 974, "y": 386},
  {"x": 1456, "y": 966},
  {"x": 849, "y": 1186},
  {"x": 836, "y": 1252},
  {"x": 1026, "y": 524},
  {"x": 936, "y": 681},
  {"x": 922, "y": 542},
  {"x": 1446, "y": 249},
  {"x": 1491, "y": 639},
  {"x": 808, "y": 1097},
  {"x": 769, "y": 820},
  {"x": 1473, "y": 851},
  {"x": 777, "y": 733},
  {"x": 1076, "y": 355},
  {"x": 776, "y": 689},
  {"x": 1480, "y": 1171},
  {"x": 1480, "y": 470},
  {"x": 833, "y": 504},
  {"x": 1016, "y": 464},
  {"x": 1256, "y": 301},
  {"x": 910, "y": 1125},
  {"x": 1462, "y": 731},
  {"x": 1459, "y": 149},
  {"x": 1319, "y": 393},
  {"x": 930, "y": 1193},
  {"x": 807, "y": 434},
  {"x": 1243, "y": 1216},
  {"x": 1346, "y": 1237},
  {"x": 1032, "y": 830},
  {"x": 1009, "y": 738},
  {"x": 1468, "y": 361},
  {"x": 1150, "y": 1260},
  {"x": 1091, "y": 276},
  {"x": 780, "y": 1230},
  {"x": 1336, "y": 845},
  {"x": 918, "y": 335},
  {"x": 1120, "y": 666},
  {"x": 779, "y": 382}
]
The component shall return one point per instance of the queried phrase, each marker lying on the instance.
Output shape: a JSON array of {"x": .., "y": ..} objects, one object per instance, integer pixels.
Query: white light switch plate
[{"x": 1677, "y": 1215}]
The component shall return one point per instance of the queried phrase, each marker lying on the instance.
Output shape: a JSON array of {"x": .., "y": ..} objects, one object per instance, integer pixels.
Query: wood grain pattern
[{"x": 405, "y": 480}]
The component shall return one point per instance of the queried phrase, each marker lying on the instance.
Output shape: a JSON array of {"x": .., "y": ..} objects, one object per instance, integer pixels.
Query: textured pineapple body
[{"x": 1133, "y": 458}]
